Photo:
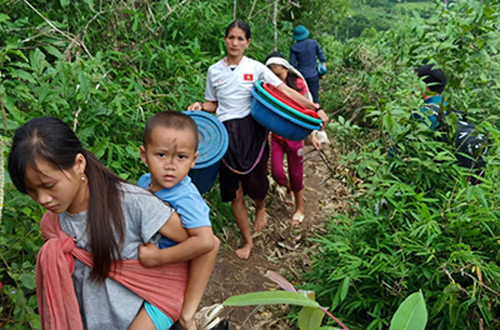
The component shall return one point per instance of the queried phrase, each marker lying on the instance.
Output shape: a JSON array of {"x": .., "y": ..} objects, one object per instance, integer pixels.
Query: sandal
[
  {"x": 297, "y": 218},
  {"x": 208, "y": 317}
]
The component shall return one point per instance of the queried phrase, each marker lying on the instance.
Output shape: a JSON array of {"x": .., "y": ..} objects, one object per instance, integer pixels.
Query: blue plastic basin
[
  {"x": 213, "y": 145},
  {"x": 279, "y": 122}
]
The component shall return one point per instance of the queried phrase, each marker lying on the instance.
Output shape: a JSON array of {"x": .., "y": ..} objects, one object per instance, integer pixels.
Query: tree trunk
[{"x": 275, "y": 23}]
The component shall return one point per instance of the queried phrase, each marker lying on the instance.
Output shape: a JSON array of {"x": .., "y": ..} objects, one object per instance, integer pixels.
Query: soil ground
[{"x": 281, "y": 247}]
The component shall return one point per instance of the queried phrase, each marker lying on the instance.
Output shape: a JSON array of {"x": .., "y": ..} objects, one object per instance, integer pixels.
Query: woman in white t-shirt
[{"x": 228, "y": 93}]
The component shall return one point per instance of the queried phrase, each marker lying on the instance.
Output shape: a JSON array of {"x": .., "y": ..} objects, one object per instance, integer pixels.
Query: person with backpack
[
  {"x": 303, "y": 54},
  {"x": 469, "y": 144}
]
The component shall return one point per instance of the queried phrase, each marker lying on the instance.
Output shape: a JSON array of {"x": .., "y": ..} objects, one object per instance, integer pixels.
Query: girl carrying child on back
[{"x": 88, "y": 275}]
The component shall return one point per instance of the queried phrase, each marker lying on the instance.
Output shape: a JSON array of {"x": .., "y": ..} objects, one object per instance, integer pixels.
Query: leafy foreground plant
[{"x": 411, "y": 314}]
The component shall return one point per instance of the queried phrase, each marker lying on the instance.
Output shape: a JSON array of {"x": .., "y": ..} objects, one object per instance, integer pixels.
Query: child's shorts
[{"x": 160, "y": 320}]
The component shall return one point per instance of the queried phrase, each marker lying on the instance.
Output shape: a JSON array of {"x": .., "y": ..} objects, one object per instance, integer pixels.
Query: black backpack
[{"x": 470, "y": 145}]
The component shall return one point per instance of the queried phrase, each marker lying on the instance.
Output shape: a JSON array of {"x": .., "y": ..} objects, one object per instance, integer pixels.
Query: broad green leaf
[
  {"x": 28, "y": 281},
  {"x": 489, "y": 11},
  {"x": 9, "y": 104},
  {"x": 411, "y": 314},
  {"x": 37, "y": 57},
  {"x": 469, "y": 192},
  {"x": 270, "y": 298},
  {"x": 84, "y": 85},
  {"x": 4, "y": 18},
  {"x": 23, "y": 75},
  {"x": 310, "y": 318},
  {"x": 481, "y": 197},
  {"x": 444, "y": 156},
  {"x": 65, "y": 3},
  {"x": 344, "y": 288},
  {"x": 53, "y": 51},
  {"x": 136, "y": 23}
]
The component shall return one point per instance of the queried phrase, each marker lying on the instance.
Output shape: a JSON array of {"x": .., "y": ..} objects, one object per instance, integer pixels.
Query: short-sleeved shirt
[
  {"x": 186, "y": 201},
  {"x": 109, "y": 305},
  {"x": 232, "y": 89},
  {"x": 430, "y": 109}
]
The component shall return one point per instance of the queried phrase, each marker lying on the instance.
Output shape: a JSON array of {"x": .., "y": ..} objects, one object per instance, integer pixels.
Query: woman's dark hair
[
  {"x": 51, "y": 140},
  {"x": 274, "y": 54},
  {"x": 291, "y": 77},
  {"x": 239, "y": 24}
]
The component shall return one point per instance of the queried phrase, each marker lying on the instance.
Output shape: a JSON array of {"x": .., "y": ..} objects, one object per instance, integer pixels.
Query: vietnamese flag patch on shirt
[{"x": 248, "y": 77}]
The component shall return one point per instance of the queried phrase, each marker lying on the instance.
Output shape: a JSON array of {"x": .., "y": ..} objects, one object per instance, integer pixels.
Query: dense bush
[{"x": 435, "y": 231}]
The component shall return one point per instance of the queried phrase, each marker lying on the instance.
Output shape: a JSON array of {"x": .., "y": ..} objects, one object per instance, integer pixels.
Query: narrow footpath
[{"x": 280, "y": 247}]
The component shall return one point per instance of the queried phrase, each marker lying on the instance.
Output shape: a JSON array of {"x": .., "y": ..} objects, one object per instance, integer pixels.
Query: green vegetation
[
  {"x": 411, "y": 314},
  {"x": 379, "y": 15},
  {"x": 437, "y": 233},
  {"x": 105, "y": 67}
]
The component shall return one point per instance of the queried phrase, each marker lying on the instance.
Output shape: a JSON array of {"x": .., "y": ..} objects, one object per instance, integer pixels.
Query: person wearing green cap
[{"x": 303, "y": 54}]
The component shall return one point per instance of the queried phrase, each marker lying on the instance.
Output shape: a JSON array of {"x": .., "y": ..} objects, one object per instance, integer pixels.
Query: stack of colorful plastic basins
[
  {"x": 213, "y": 144},
  {"x": 280, "y": 114}
]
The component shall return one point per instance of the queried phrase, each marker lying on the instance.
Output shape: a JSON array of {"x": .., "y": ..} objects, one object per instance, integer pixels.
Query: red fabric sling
[{"x": 162, "y": 286}]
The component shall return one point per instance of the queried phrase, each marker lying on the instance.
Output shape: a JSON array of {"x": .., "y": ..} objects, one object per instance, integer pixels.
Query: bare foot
[
  {"x": 244, "y": 252},
  {"x": 260, "y": 219},
  {"x": 297, "y": 218}
]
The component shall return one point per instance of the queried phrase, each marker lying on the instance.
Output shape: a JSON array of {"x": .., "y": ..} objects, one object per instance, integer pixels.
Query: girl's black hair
[
  {"x": 291, "y": 78},
  {"x": 51, "y": 140},
  {"x": 239, "y": 24}
]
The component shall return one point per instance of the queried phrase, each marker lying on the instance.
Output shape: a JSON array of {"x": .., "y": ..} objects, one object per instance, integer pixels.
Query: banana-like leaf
[
  {"x": 411, "y": 314},
  {"x": 310, "y": 318},
  {"x": 270, "y": 298}
]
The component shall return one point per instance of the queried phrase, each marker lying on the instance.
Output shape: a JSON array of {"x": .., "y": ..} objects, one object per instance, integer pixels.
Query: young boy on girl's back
[{"x": 170, "y": 151}]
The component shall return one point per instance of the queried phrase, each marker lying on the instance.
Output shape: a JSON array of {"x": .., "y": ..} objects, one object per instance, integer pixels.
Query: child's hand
[
  {"x": 315, "y": 142},
  {"x": 148, "y": 255},
  {"x": 196, "y": 106},
  {"x": 187, "y": 324},
  {"x": 324, "y": 117}
]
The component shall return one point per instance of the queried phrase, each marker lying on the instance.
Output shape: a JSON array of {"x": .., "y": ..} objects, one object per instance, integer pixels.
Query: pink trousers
[{"x": 294, "y": 153}]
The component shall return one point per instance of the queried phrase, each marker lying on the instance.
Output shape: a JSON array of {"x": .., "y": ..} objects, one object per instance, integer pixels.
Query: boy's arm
[{"x": 192, "y": 243}]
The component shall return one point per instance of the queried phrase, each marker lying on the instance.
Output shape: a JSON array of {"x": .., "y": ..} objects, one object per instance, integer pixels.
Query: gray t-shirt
[{"x": 110, "y": 305}]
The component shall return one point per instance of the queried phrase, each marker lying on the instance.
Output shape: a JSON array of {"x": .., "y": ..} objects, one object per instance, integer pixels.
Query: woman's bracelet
[{"x": 202, "y": 105}]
